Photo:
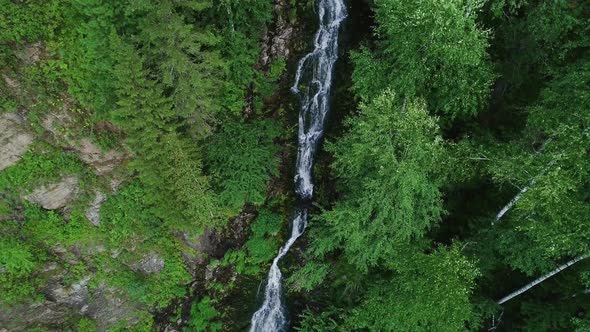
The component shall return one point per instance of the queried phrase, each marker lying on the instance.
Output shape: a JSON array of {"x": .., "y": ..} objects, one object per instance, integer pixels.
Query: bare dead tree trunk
[
  {"x": 512, "y": 202},
  {"x": 520, "y": 193},
  {"x": 541, "y": 279}
]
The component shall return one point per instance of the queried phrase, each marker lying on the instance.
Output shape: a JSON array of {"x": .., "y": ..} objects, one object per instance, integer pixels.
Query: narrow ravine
[{"x": 313, "y": 82}]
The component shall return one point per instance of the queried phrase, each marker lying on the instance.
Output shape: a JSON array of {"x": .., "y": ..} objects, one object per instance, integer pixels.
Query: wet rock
[
  {"x": 209, "y": 271},
  {"x": 210, "y": 243},
  {"x": 51, "y": 266},
  {"x": 54, "y": 122},
  {"x": 214, "y": 244},
  {"x": 278, "y": 39},
  {"x": 237, "y": 232},
  {"x": 216, "y": 273},
  {"x": 55, "y": 195},
  {"x": 149, "y": 264},
  {"x": 93, "y": 210},
  {"x": 87, "y": 250},
  {"x": 115, "y": 253},
  {"x": 14, "y": 139}
]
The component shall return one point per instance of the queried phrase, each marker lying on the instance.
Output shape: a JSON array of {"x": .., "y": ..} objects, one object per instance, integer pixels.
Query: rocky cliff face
[
  {"x": 278, "y": 40},
  {"x": 66, "y": 296}
]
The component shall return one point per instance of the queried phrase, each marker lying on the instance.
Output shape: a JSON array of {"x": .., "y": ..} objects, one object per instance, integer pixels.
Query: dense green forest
[{"x": 147, "y": 151}]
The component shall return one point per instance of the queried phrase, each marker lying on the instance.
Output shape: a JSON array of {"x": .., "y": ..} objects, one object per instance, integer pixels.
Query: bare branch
[{"x": 494, "y": 323}]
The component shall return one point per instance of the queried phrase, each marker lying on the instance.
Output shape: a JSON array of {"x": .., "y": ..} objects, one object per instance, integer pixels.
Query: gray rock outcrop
[
  {"x": 277, "y": 41},
  {"x": 108, "y": 307},
  {"x": 75, "y": 296},
  {"x": 103, "y": 162},
  {"x": 93, "y": 210},
  {"x": 24, "y": 317},
  {"x": 14, "y": 139},
  {"x": 31, "y": 53},
  {"x": 149, "y": 264},
  {"x": 56, "y": 195}
]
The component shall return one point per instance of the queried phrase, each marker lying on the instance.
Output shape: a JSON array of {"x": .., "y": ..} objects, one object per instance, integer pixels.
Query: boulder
[
  {"x": 55, "y": 195},
  {"x": 65, "y": 255},
  {"x": 14, "y": 139},
  {"x": 93, "y": 210},
  {"x": 216, "y": 244}
]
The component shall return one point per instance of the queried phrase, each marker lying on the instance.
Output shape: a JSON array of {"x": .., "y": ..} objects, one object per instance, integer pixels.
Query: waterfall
[{"x": 313, "y": 82}]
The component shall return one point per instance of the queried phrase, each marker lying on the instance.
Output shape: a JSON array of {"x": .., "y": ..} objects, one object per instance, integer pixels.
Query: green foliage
[
  {"x": 262, "y": 245},
  {"x": 29, "y": 20},
  {"x": 429, "y": 49},
  {"x": 17, "y": 262},
  {"x": 87, "y": 51},
  {"x": 165, "y": 73},
  {"x": 260, "y": 248},
  {"x": 168, "y": 164},
  {"x": 404, "y": 300},
  {"x": 48, "y": 228},
  {"x": 370, "y": 246},
  {"x": 38, "y": 166},
  {"x": 386, "y": 166},
  {"x": 582, "y": 325},
  {"x": 203, "y": 317},
  {"x": 157, "y": 289},
  {"x": 551, "y": 214},
  {"x": 242, "y": 158},
  {"x": 185, "y": 61},
  {"x": 86, "y": 325},
  {"x": 126, "y": 219},
  {"x": 127, "y": 222},
  {"x": 443, "y": 280},
  {"x": 184, "y": 84},
  {"x": 242, "y": 25},
  {"x": 321, "y": 322}
]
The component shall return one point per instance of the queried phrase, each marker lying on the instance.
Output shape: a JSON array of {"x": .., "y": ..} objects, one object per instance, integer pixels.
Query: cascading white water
[{"x": 316, "y": 69}]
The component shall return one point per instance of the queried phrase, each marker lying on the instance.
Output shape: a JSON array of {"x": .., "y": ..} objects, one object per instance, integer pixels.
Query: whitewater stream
[{"x": 313, "y": 82}]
